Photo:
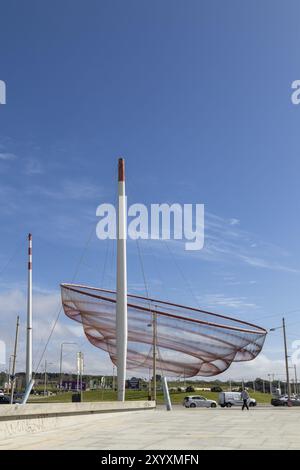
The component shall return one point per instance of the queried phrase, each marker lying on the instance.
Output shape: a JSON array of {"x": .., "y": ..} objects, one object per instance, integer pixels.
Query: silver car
[{"x": 194, "y": 401}]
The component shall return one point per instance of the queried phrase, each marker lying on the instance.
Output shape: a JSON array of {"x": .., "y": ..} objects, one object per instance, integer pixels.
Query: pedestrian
[{"x": 245, "y": 398}]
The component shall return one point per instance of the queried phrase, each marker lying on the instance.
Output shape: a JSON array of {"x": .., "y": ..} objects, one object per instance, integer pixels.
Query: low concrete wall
[{"x": 38, "y": 417}]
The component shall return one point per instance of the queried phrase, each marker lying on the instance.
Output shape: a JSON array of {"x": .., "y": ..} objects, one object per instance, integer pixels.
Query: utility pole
[
  {"x": 263, "y": 386},
  {"x": 154, "y": 326},
  {"x": 296, "y": 380},
  {"x": 149, "y": 385},
  {"x": 45, "y": 378},
  {"x": 13, "y": 373},
  {"x": 286, "y": 360}
]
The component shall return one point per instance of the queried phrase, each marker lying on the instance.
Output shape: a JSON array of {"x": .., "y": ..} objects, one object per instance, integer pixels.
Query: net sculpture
[{"x": 189, "y": 341}]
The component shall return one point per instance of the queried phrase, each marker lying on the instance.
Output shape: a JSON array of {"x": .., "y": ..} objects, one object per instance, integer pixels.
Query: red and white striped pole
[
  {"x": 121, "y": 307},
  {"x": 29, "y": 315}
]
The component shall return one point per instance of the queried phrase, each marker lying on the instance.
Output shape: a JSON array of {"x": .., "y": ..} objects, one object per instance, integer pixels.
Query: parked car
[
  {"x": 194, "y": 401},
  {"x": 229, "y": 399},
  {"x": 1, "y": 393},
  {"x": 283, "y": 401},
  {"x": 5, "y": 400}
]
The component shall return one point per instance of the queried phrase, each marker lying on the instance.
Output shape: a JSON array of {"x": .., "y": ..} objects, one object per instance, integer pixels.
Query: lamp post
[
  {"x": 286, "y": 360},
  {"x": 9, "y": 373},
  {"x": 113, "y": 379},
  {"x": 271, "y": 382},
  {"x": 295, "y": 378},
  {"x": 154, "y": 353},
  {"x": 60, "y": 362},
  {"x": 154, "y": 347},
  {"x": 80, "y": 366},
  {"x": 45, "y": 376}
]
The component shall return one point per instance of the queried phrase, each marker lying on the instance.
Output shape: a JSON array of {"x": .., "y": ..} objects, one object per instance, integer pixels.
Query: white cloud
[
  {"x": 5, "y": 156},
  {"x": 33, "y": 166},
  {"x": 74, "y": 190},
  {"x": 221, "y": 300},
  {"x": 46, "y": 305},
  {"x": 267, "y": 264},
  {"x": 234, "y": 221},
  {"x": 228, "y": 243},
  {"x": 261, "y": 366}
]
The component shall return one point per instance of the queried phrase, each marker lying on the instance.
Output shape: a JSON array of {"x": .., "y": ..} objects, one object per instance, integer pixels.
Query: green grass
[{"x": 109, "y": 395}]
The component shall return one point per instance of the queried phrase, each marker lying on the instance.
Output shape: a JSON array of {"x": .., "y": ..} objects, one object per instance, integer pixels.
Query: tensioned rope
[
  {"x": 80, "y": 261},
  {"x": 150, "y": 307},
  {"x": 61, "y": 307},
  {"x": 181, "y": 273}
]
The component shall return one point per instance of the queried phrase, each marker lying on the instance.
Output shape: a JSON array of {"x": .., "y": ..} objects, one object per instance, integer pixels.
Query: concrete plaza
[{"x": 260, "y": 428}]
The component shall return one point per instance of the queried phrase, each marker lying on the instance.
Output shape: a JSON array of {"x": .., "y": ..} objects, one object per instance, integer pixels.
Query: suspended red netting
[{"x": 189, "y": 341}]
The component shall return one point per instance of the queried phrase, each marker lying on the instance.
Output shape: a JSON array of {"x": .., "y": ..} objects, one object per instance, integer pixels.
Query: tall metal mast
[
  {"x": 121, "y": 306},
  {"x": 29, "y": 315}
]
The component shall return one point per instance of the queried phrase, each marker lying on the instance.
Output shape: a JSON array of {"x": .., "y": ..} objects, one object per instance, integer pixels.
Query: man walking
[{"x": 245, "y": 398}]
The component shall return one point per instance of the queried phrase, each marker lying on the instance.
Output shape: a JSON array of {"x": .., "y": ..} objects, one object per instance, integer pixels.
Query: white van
[{"x": 233, "y": 399}]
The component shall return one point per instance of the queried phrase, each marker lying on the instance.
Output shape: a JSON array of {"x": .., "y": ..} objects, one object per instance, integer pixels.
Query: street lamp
[
  {"x": 271, "y": 380},
  {"x": 113, "y": 379},
  {"x": 154, "y": 343},
  {"x": 60, "y": 363},
  {"x": 45, "y": 377},
  {"x": 295, "y": 378},
  {"x": 9, "y": 373}
]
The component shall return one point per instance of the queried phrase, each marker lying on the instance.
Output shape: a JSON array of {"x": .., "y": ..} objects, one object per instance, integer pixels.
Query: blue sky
[{"x": 196, "y": 96}]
